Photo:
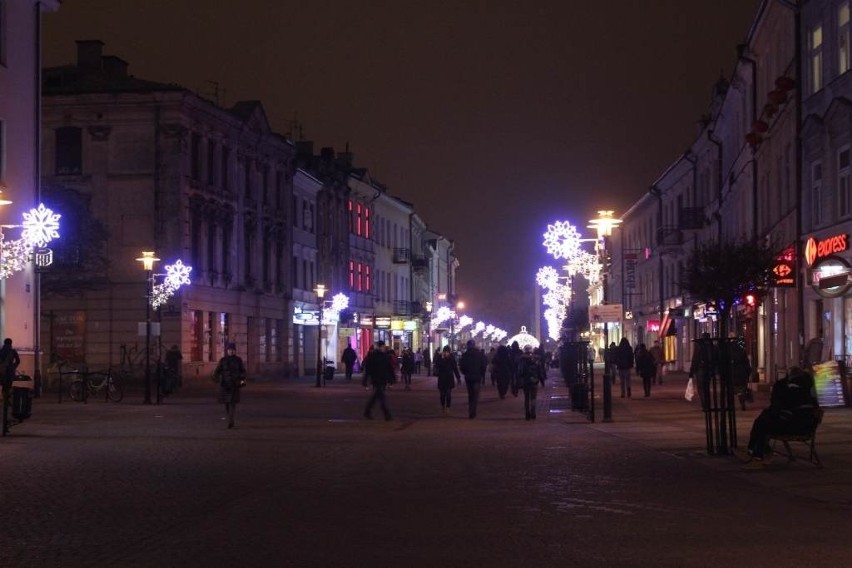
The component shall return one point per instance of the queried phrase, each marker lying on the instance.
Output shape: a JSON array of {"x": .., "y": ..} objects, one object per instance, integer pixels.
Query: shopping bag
[{"x": 690, "y": 390}]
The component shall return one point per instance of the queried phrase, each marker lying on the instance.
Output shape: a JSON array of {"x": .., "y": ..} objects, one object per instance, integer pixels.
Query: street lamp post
[
  {"x": 604, "y": 223},
  {"x": 320, "y": 291},
  {"x": 429, "y": 333},
  {"x": 148, "y": 259}
]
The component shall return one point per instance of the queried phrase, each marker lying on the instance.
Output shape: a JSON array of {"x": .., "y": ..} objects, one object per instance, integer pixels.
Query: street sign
[{"x": 605, "y": 313}]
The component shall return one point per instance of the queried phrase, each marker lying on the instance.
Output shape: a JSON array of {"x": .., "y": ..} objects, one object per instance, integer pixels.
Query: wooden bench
[{"x": 809, "y": 441}]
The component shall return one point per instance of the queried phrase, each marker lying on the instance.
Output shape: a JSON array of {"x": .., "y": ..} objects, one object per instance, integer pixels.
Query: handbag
[
  {"x": 690, "y": 390},
  {"x": 242, "y": 383}
]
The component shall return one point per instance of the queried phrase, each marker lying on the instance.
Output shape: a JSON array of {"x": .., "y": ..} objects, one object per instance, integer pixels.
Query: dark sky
[{"x": 493, "y": 118}]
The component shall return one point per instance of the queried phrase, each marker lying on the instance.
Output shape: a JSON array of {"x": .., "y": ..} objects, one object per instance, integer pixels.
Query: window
[
  {"x": 2, "y": 32},
  {"x": 226, "y": 156},
  {"x": 351, "y": 224},
  {"x": 195, "y": 156},
  {"x": 211, "y": 162},
  {"x": 366, "y": 222},
  {"x": 815, "y": 44},
  {"x": 843, "y": 38},
  {"x": 367, "y": 282},
  {"x": 844, "y": 188},
  {"x": 816, "y": 194},
  {"x": 69, "y": 151},
  {"x": 351, "y": 275},
  {"x": 2, "y": 146},
  {"x": 358, "y": 228}
]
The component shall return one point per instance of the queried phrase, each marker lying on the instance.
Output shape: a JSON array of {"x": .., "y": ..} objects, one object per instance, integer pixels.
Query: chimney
[
  {"x": 327, "y": 154},
  {"x": 114, "y": 66},
  {"x": 89, "y": 54}
]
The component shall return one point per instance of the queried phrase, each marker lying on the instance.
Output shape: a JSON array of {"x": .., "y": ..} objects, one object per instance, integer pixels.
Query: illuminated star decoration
[
  {"x": 40, "y": 226},
  {"x": 177, "y": 275},
  {"x": 562, "y": 240}
]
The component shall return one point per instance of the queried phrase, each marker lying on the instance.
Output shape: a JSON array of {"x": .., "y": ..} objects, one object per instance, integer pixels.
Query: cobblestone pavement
[{"x": 305, "y": 480}]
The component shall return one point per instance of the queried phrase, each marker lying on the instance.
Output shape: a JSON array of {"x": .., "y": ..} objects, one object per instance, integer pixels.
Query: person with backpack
[
  {"x": 472, "y": 365},
  {"x": 501, "y": 370},
  {"x": 514, "y": 360},
  {"x": 448, "y": 377},
  {"x": 532, "y": 373},
  {"x": 379, "y": 372}
]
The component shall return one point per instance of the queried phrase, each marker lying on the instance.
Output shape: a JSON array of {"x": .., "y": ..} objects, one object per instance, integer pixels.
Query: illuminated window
[
  {"x": 351, "y": 275},
  {"x": 360, "y": 277},
  {"x": 367, "y": 282},
  {"x": 843, "y": 37},
  {"x": 358, "y": 214},
  {"x": 366, "y": 222},
  {"x": 816, "y": 194},
  {"x": 843, "y": 183},
  {"x": 351, "y": 224},
  {"x": 815, "y": 41}
]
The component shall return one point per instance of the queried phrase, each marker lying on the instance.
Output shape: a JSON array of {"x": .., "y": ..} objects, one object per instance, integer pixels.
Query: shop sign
[
  {"x": 409, "y": 325},
  {"x": 783, "y": 274},
  {"x": 396, "y": 325},
  {"x": 652, "y": 325},
  {"x": 828, "y": 383},
  {"x": 305, "y": 317},
  {"x": 818, "y": 249},
  {"x": 382, "y": 322},
  {"x": 366, "y": 321}
]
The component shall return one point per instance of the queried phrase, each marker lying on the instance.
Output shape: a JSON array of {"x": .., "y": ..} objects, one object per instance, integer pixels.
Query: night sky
[{"x": 492, "y": 118}]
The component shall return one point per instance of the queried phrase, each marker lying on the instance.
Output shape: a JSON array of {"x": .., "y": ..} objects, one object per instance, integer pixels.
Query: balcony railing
[{"x": 401, "y": 255}]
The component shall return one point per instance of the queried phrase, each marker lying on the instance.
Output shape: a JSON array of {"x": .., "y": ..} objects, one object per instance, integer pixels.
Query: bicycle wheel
[
  {"x": 75, "y": 391},
  {"x": 114, "y": 391}
]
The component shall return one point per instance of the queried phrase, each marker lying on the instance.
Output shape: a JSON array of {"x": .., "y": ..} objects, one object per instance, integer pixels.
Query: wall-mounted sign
[
  {"x": 784, "y": 274},
  {"x": 830, "y": 277},
  {"x": 605, "y": 313},
  {"x": 382, "y": 322},
  {"x": 818, "y": 249}
]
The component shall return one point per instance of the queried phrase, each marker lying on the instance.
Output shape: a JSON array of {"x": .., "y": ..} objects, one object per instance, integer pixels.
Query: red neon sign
[{"x": 816, "y": 250}]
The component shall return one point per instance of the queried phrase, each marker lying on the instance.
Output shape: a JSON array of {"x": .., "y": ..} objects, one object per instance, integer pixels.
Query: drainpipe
[
  {"x": 718, "y": 144},
  {"x": 754, "y": 171},
  {"x": 655, "y": 191}
]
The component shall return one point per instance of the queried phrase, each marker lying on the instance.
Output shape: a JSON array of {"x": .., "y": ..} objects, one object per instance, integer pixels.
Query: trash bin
[
  {"x": 22, "y": 397},
  {"x": 328, "y": 372}
]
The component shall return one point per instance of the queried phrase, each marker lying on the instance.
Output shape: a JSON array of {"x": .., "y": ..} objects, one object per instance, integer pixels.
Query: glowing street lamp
[
  {"x": 604, "y": 223},
  {"x": 320, "y": 291},
  {"x": 148, "y": 259}
]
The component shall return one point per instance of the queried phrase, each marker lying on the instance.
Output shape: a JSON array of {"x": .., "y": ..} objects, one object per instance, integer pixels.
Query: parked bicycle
[{"x": 92, "y": 383}]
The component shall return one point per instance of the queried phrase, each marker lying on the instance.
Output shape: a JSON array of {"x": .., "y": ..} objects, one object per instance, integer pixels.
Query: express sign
[{"x": 815, "y": 250}]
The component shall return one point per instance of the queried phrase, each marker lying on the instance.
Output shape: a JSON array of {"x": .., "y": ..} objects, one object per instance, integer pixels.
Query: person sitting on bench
[{"x": 792, "y": 410}]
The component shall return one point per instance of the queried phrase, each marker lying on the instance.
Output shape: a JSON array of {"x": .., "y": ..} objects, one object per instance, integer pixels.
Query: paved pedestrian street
[{"x": 304, "y": 480}]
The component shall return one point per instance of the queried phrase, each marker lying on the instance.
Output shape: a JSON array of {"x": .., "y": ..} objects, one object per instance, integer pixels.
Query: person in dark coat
[
  {"x": 448, "y": 377},
  {"x": 740, "y": 370},
  {"x": 379, "y": 372},
  {"x": 793, "y": 409},
  {"x": 230, "y": 373},
  {"x": 624, "y": 364},
  {"x": 532, "y": 373},
  {"x": 646, "y": 367},
  {"x": 705, "y": 363},
  {"x": 515, "y": 355},
  {"x": 501, "y": 370},
  {"x": 472, "y": 365},
  {"x": 407, "y": 367},
  {"x": 427, "y": 361},
  {"x": 349, "y": 357},
  {"x": 172, "y": 367},
  {"x": 609, "y": 360},
  {"x": 9, "y": 361}
]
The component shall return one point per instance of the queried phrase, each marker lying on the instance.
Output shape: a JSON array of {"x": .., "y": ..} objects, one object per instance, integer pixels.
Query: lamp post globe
[{"x": 320, "y": 291}]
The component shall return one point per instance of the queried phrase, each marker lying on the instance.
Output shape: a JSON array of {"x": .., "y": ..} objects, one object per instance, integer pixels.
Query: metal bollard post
[{"x": 607, "y": 396}]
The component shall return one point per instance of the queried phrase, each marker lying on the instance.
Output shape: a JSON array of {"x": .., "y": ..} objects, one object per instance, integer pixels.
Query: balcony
[
  {"x": 669, "y": 240},
  {"x": 402, "y": 308},
  {"x": 401, "y": 255},
  {"x": 419, "y": 263}
]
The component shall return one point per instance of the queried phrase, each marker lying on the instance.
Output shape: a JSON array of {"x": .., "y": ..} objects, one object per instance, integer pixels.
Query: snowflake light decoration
[
  {"x": 547, "y": 277},
  {"x": 41, "y": 225},
  {"x": 478, "y": 328},
  {"x": 177, "y": 275},
  {"x": 464, "y": 321},
  {"x": 339, "y": 302},
  {"x": 443, "y": 314},
  {"x": 562, "y": 240}
]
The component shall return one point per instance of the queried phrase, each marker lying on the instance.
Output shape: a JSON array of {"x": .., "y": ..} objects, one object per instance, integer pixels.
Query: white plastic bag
[{"x": 690, "y": 390}]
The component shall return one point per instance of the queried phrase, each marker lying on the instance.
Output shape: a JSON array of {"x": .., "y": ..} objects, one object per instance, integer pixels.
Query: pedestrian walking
[
  {"x": 230, "y": 373},
  {"x": 705, "y": 359},
  {"x": 9, "y": 361},
  {"x": 501, "y": 370},
  {"x": 532, "y": 373},
  {"x": 609, "y": 360},
  {"x": 379, "y": 372},
  {"x": 489, "y": 357},
  {"x": 656, "y": 352},
  {"x": 624, "y": 364},
  {"x": 349, "y": 357},
  {"x": 448, "y": 377},
  {"x": 472, "y": 365},
  {"x": 645, "y": 367},
  {"x": 427, "y": 361},
  {"x": 740, "y": 370},
  {"x": 418, "y": 361},
  {"x": 407, "y": 367},
  {"x": 514, "y": 360}
]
